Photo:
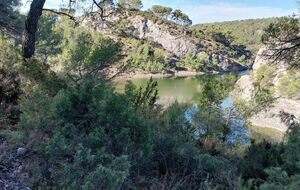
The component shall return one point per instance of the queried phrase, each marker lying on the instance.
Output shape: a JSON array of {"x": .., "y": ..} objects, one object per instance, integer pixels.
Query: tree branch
[
  {"x": 101, "y": 9},
  {"x": 61, "y": 13}
]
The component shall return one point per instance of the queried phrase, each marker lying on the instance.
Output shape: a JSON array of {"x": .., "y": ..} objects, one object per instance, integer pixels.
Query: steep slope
[{"x": 179, "y": 47}]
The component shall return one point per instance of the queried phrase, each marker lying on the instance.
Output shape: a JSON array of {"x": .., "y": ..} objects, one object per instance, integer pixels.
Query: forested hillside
[
  {"x": 63, "y": 124},
  {"x": 155, "y": 44},
  {"x": 245, "y": 32}
]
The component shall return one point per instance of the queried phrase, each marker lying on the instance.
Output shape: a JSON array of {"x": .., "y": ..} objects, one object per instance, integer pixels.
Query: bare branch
[
  {"x": 61, "y": 13},
  {"x": 101, "y": 9}
]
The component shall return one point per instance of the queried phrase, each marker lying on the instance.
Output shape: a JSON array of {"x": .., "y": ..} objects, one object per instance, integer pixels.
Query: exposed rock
[
  {"x": 229, "y": 65},
  {"x": 175, "y": 39},
  {"x": 273, "y": 116},
  {"x": 244, "y": 88},
  {"x": 21, "y": 151},
  {"x": 138, "y": 26}
]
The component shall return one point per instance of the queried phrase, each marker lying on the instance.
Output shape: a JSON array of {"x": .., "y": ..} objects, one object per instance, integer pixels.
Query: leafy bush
[
  {"x": 91, "y": 136},
  {"x": 81, "y": 134}
]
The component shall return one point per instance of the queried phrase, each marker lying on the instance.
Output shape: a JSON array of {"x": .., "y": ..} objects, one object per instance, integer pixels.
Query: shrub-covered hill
[
  {"x": 154, "y": 44},
  {"x": 247, "y": 32}
]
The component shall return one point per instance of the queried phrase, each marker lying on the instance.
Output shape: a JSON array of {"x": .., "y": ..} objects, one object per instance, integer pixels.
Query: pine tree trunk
[{"x": 31, "y": 24}]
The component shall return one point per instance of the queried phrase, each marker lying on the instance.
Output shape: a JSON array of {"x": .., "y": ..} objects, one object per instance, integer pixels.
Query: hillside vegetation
[
  {"x": 148, "y": 36},
  {"x": 245, "y": 32},
  {"x": 64, "y": 126}
]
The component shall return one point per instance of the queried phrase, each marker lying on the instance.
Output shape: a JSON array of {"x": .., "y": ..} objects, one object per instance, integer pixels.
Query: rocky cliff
[
  {"x": 285, "y": 109},
  {"x": 175, "y": 39}
]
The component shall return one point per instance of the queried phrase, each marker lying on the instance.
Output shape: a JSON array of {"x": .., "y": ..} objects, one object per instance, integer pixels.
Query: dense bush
[
  {"x": 146, "y": 58},
  {"x": 273, "y": 166},
  {"x": 93, "y": 133},
  {"x": 195, "y": 62}
]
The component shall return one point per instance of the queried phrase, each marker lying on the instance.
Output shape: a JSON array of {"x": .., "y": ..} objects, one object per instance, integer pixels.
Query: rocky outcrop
[
  {"x": 272, "y": 117},
  {"x": 176, "y": 40},
  {"x": 173, "y": 38}
]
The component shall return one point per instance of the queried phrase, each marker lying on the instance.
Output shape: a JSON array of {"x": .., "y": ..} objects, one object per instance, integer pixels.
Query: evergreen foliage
[
  {"x": 195, "y": 62},
  {"x": 10, "y": 19},
  {"x": 161, "y": 11},
  {"x": 143, "y": 56},
  {"x": 81, "y": 134},
  {"x": 131, "y": 4},
  {"x": 248, "y": 33}
]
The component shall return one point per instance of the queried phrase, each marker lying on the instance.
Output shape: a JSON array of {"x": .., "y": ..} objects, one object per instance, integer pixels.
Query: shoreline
[{"x": 125, "y": 76}]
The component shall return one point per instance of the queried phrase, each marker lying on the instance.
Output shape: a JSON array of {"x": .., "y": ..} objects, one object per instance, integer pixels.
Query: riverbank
[{"x": 128, "y": 76}]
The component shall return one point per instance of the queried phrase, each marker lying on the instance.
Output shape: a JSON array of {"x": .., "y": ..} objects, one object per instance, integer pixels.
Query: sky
[{"x": 206, "y": 11}]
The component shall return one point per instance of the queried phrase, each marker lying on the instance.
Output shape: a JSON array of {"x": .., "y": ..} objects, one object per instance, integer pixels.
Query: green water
[
  {"x": 182, "y": 89},
  {"x": 189, "y": 90}
]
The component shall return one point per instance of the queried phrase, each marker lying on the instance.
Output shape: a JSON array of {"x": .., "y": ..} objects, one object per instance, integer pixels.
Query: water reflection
[
  {"x": 182, "y": 89},
  {"x": 190, "y": 90},
  {"x": 237, "y": 124}
]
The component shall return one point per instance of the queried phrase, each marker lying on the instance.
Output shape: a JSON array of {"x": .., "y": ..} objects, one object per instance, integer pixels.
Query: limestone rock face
[
  {"x": 244, "y": 88},
  {"x": 179, "y": 44},
  {"x": 173, "y": 38},
  {"x": 260, "y": 59},
  {"x": 176, "y": 41},
  {"x": 270, "y": 117}
]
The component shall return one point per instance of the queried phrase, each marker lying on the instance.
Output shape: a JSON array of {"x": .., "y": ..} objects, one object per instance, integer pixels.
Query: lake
[
  {"x": 182, "y": 89},
  {"x": 188, "y": 90}
]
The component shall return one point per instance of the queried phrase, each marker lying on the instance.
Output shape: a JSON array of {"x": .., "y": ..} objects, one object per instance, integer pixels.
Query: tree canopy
[
  {"x": 283, "y": 40},
  {"x": 181, "y": 18},
  {"x": 161, "y": 11},
  {"x": 130, "y": 4}
]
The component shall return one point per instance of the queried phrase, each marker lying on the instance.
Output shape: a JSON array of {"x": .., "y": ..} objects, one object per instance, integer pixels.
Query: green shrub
[
  {"x": 258, "y": 158},
  {"x": 91, "y": 129},
  {"x": 10, "y": 91},
  {"x": 289, "y": 84},
  {"x": 147, "y": 58},
  {"x": 195, "y": 62},
  {"x": 264, "y": 76}
]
